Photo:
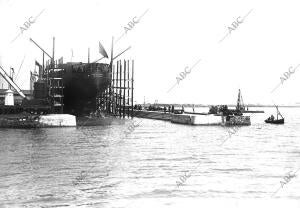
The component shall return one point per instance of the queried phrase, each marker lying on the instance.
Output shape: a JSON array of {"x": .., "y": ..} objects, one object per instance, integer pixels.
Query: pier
[{"x": 194, "y": 119}]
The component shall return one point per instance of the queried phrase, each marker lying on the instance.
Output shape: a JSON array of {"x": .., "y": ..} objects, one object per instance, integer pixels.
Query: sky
[{"x": 171, "y": 37}]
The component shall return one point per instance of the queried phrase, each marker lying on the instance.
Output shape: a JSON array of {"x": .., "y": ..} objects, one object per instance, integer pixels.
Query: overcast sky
[{"x": 171, "y": 36}]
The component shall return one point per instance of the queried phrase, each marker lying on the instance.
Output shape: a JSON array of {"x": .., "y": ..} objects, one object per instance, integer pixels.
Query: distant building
[
  {"x": 17, "y": 98},
  {"x": 3, "y": 83}
]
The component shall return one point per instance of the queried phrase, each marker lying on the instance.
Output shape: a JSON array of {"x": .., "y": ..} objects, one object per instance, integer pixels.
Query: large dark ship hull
[{"x": 82, "y": 83}]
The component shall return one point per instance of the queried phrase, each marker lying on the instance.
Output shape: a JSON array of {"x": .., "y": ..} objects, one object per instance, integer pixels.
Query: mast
[
  {"x": 43, "y": 64},
  {"x": 111, "y": 53},
  {"x": 88, "y": 55},
  {"x": 53, "y": 50},
  {"x": 278, "y": 112}
]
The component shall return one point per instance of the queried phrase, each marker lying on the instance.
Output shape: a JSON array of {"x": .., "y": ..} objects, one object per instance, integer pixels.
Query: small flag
[
  {"x": 37, "y": 63},
  {"x": 102, "y": 50},
  {"x": 32, "y": 77}
]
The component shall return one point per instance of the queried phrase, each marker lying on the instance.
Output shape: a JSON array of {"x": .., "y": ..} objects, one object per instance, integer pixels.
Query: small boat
[
  {"x": 272, "y": 120},
  {"x": 278, "y": 121}
]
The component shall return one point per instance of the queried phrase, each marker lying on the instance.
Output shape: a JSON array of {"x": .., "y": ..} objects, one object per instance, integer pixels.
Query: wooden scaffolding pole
[
  {"x": 124, "y": 89},
  {"x": 132, "y": 75},
  {"x": 117, "y": 90},
  {"x": 128, "y": 87},
  {"x": 120, "y": 90},
  {"x": 112, "y": 89}
]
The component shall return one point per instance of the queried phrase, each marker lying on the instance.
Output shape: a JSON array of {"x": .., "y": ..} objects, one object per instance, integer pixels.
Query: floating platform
[
  {"x": 195, "y": 119},
  {"x": 153, "y": 115},
  {"x": 192, "y": 119},
  {"x": 253, "y": 111},
  {"x": 37, "y": 121},
  {"x": 195, "y": 113},
  {"x": 211, "y": 119}
]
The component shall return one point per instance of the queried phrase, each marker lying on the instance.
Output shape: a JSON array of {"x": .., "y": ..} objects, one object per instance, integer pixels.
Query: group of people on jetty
[{"x": 169, "y": 108}]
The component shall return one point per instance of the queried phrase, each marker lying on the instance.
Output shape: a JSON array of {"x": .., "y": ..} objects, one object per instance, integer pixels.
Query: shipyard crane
[{"x": 11, "y": 82}]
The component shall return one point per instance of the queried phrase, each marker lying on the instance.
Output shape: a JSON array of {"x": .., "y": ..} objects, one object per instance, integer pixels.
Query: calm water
[{"x": 106, "y": 167}]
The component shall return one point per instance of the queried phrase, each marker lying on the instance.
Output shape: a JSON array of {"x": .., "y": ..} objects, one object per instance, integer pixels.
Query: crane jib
[{"x": 11, "y": 82}]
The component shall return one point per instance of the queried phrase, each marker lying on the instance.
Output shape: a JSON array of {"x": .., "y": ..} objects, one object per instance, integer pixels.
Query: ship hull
[{"x": 82, "y": 84}]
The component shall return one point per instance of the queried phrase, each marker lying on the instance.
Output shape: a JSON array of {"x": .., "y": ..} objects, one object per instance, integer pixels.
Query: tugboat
[{"x": 272, "y": 120}]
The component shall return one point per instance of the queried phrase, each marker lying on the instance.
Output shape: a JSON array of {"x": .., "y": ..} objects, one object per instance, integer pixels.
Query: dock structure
[
  {"x": 194, "y": 119},
  {"x": 157, "y": 115}
]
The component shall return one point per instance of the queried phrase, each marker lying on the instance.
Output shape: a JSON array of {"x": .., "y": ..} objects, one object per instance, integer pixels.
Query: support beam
[
  {"x": 121, "y": 53},
  {"x": 40, "y": 48},
  {"x": 11, "y": 82},
  {"x": 124, "y": 89}
]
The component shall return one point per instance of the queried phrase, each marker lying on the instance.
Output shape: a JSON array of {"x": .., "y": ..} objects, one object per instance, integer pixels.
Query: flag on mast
[{"x": 102, "y": 50}]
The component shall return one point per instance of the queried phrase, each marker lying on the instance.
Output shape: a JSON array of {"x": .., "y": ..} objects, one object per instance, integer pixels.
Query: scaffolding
[
  {"x": 56, "y": 88},
  {"x": 117, "y": 98}
]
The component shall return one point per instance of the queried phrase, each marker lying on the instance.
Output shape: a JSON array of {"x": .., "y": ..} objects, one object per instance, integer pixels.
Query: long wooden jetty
[
  {"x": 253, "y": 111},
  {"x": 194, "y": 119}
]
